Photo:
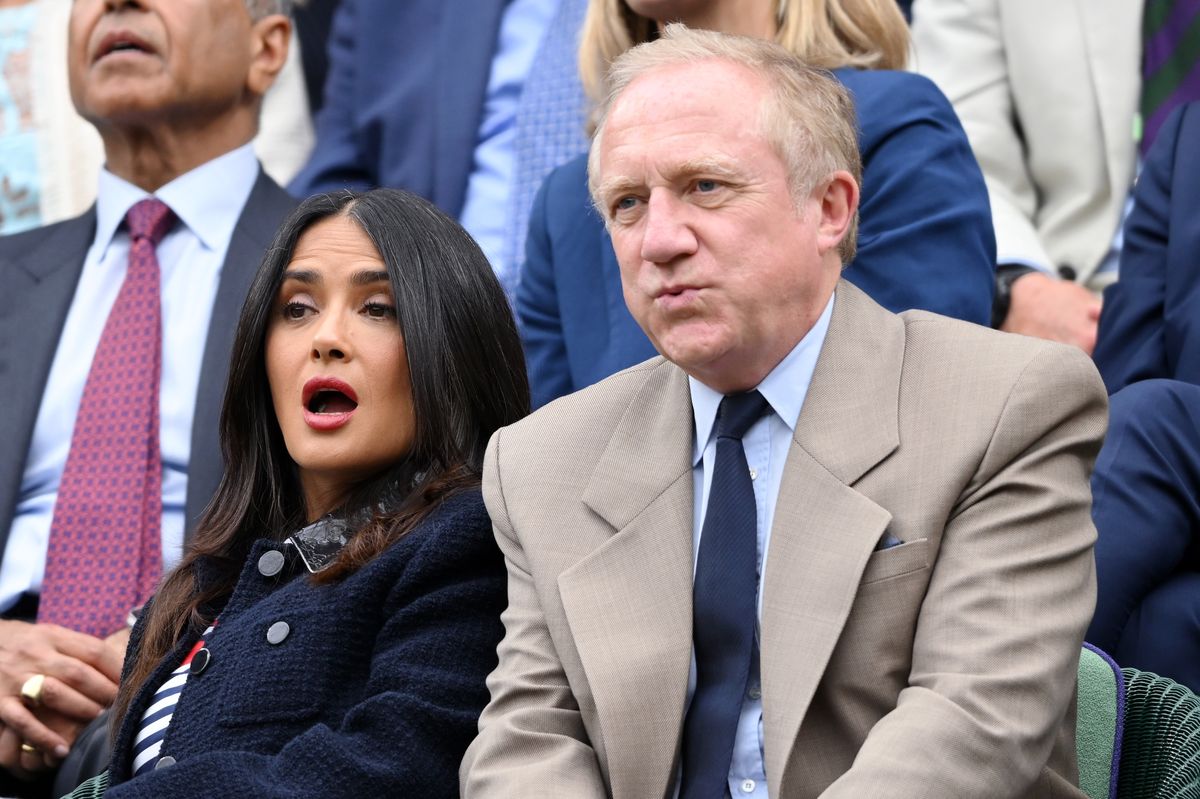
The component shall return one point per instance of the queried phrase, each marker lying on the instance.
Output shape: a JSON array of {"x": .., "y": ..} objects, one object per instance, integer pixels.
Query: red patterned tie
[{"x": 105, "y": 554}]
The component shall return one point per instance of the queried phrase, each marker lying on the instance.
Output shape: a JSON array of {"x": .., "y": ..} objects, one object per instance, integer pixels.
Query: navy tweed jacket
[{"x": 375, "y": 691}]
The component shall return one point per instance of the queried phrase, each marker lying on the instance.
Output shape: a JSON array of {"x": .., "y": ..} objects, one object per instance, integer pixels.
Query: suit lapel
[
  {"x": 40, "y": 284},
  {"x": 824, "y": 531},
  {"x": 629, "y": 601},
  {"x": 1112, "y": 30},
  {"x": 265, "y": 209}
]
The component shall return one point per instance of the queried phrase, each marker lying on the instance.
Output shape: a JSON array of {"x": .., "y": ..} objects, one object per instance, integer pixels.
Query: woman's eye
[
  {"x": 295, "y": 310},
  {"x": 379, "y": 310}
]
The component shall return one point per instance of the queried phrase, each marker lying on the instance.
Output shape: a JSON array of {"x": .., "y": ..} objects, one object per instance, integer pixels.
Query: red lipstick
[{"x": 328, "y": 403}]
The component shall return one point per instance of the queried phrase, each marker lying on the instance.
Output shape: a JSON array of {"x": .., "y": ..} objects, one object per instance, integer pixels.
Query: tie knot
[
  {"x": 738, "y": 412},
  {"x": 150, "y": 219}
]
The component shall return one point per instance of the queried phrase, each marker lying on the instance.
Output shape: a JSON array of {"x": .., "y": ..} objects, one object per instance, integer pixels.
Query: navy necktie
[{"x": 724, "y": 601}]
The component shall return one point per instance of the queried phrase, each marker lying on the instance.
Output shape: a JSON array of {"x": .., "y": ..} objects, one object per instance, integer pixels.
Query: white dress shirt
[
  {"x": 208, "y": 201},
  {"x": 766, "y": 445}
]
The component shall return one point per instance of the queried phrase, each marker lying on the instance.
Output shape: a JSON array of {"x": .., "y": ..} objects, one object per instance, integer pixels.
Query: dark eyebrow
[
  {"x": 310, "y": 277},
  {"x": 306, "y": 276},
  {"x": 369, "y": 277}
]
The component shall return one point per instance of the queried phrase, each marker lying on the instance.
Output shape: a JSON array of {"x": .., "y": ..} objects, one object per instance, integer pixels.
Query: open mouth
[
  {"x": 330, "y": 401},
  {"x": 122, "y": 42}
]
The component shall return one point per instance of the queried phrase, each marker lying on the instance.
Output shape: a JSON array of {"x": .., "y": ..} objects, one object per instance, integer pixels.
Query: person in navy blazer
[
  {"x": 925, "y": 242},
  {"x": 403, "y": 97},
  {"x": 329, "y": 631},
  {"x": 1150, "y": 324},
  {"x": 1147, "y": 478},
  {"x": 1146, "y": 507}
]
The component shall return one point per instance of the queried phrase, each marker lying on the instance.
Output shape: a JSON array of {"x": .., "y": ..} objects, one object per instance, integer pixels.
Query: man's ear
[
  {"x": 271, "y": 37},
  {"x": 837, "y": 199}
]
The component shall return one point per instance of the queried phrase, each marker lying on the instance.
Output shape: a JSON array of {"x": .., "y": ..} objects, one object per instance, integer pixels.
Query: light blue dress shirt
[
  {"x": 208, "y": 201},
  {"x": 766, "y": 444},
  {"x": 486, "y": 205}
]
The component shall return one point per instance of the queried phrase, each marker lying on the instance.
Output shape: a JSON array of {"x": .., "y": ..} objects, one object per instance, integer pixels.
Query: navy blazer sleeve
[
  {"x": 339, "y": 160},
  {"x": 425, "y": 690},
  {"x": 926, "y": 238},
  {"x": 1131, "y": 344},
  {"x": 567, "y": 240}
]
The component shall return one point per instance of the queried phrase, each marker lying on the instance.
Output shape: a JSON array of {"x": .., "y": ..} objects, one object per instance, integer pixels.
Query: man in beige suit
[
  {"x": 1047, "y": 93},
  {"x": 922, "y": 574}
]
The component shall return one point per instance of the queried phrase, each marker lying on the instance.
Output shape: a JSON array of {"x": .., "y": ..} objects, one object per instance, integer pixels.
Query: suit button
[
  {"x": 278, "y": 632},
  {"x": 164, "y": 762},
  {"x": 1067, "y": 272},
  {"x": 755, "y": 691},
  {"x": 200, "y": 661},
  {"x": 271, "y": 563}
]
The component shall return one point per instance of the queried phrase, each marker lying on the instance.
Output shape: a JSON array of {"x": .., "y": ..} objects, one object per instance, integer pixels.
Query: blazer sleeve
[
  {"x": 998, "y": 636},
  {"x": 926, "y": 240},
  {"x": 531, "y": 734},
  {"x": 338, "y": 161},
  {"x": 960, "y": 45},
  {"x": 424, "y": 693},
  {"x": 538, "y": 309},
  {"x": 1131, "y": 343}
]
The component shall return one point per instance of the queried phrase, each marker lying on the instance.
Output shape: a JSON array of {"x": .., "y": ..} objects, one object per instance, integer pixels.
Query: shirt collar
[
  {"x": 784, "y": 388},
  {"x": 208, "y": 199}
]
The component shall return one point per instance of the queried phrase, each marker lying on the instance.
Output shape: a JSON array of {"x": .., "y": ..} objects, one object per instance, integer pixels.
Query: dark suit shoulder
[
  {"x": 566, "y": 190},
  {"x": 18, "y": 245},
  {"x": 886, "y": 100},
  {"x": 268, "y": 204}
]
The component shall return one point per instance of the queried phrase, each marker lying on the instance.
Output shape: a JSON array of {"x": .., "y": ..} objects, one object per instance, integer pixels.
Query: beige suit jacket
[
  {"x": 1047, "y": 93},
  {"x": 943, "y": 667}
]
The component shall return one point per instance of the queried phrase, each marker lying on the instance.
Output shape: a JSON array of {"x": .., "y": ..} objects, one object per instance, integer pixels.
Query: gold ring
[
  {"x": 31, "y": 689},
  {"x": 30, "y": 748}
]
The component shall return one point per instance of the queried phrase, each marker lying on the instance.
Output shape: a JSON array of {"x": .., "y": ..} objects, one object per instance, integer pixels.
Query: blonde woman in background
[{"x": 926, "y": 237}]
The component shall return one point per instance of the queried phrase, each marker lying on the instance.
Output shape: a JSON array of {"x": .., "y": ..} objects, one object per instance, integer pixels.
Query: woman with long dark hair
[{"x": 330, "y": 627}]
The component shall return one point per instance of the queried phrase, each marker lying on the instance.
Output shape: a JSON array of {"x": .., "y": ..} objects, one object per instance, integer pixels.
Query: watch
[{"x": 1006, "y": 275}]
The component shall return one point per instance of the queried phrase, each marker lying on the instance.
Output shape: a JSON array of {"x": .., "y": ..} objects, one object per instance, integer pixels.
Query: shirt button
[
  {"x": 278, "y": 632},
  {"x": 748, "y": 786},
  {"x": 164, "y": 762},
  {"x": 271, "y": 563},
  {"x": 753, "y": 473},
  {"x": 755, "y": 691},
  {"x": 200, "y": 661}
]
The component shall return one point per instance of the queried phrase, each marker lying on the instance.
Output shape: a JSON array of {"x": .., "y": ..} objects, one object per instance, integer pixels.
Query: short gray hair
[
  {"x": 264, "y": 8},
  {"x": 807, "y": 116}
]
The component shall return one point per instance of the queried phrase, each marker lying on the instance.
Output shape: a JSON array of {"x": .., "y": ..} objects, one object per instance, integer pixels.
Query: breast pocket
[
  {"x": 896, "y": 561},
  {"x": 281, "y": 667}
]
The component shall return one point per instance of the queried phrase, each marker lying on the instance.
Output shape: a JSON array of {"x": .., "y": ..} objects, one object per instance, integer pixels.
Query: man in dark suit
[
  {"x": 1146, "y": 506},
  {"x": 1150, "y": 326},
  {"x": 174, "y": 90},
  {"x": 1148, "y": 474}
]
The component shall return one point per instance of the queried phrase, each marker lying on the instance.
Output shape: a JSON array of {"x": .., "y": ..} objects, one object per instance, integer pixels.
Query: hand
[
  {"x": 1058, "y": 310},
  {"x": 81, "y": 674},
  {"x": 26, "y": 765}
]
